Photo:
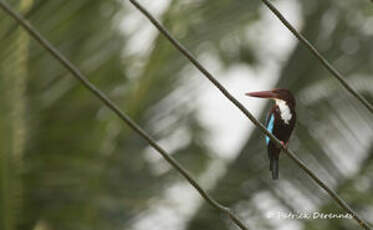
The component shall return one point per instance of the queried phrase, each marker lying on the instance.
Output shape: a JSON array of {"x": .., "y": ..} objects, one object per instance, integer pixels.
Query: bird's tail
[
  {"x": 273, "y": 155},
  {"x": 274, "y": 166}
]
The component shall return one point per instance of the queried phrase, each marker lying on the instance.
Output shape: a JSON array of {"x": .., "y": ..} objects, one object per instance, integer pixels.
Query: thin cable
[
  {"x": 223, "y": 90},
  {"x": 79, "y": 76},
  {"x": 337, "y": 75}
]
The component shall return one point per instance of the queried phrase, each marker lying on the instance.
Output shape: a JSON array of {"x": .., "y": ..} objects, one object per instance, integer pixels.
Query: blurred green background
[{"x": 67, "y": 162}]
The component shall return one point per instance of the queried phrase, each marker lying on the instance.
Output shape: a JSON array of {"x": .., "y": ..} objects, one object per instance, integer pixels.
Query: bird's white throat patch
[{"x": 284, "y": 110}]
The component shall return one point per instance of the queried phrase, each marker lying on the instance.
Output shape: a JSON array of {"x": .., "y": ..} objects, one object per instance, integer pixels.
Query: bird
[{"x": 280, "y": 121}]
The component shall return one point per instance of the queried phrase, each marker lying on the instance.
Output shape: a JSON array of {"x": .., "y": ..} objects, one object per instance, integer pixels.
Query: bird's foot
[{"x": 284, "y": 145}]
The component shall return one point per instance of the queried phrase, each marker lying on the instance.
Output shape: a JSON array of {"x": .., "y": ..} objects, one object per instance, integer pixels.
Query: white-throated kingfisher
[{"x": 280, "y": 122}]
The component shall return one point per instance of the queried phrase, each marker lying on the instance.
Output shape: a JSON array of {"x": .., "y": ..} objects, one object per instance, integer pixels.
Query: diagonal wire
[
  {"x": 223, "y": 90},
  {"x": 98, "y": 93},
  {"x": 335, "y": 73}
]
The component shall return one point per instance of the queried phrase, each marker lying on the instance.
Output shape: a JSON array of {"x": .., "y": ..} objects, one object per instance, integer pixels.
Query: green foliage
[{"x": 68, "y": 163}]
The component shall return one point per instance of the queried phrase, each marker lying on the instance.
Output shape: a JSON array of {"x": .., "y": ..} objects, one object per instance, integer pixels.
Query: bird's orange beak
[{"x": 262, "y": 94}]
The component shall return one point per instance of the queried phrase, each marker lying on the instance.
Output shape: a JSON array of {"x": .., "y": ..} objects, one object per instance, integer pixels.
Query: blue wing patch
[{"x": 270, "y": 127}]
